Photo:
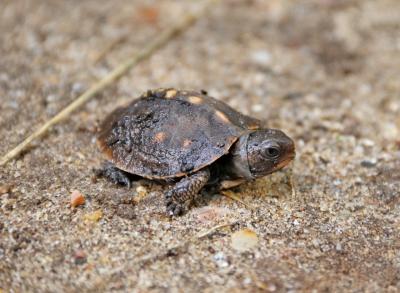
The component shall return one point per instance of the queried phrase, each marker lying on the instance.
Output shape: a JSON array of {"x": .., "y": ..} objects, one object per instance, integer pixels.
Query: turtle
[{"x": 191, "y": 140}]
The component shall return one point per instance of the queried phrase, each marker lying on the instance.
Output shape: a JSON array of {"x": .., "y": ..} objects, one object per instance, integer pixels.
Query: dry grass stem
[
  {"x": 234, "y": 197},
  {"x": 213, "y": 229}
]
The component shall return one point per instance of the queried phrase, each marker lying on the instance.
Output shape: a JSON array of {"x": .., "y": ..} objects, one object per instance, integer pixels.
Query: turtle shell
[{"x": 167, "y": 133}]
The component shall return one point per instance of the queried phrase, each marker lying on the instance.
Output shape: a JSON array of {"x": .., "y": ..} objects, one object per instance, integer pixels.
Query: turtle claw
[
  {"x": 179, "y": 198},
  {"x": 114, "y": 174},
  {"x": 174, "y": 209}
]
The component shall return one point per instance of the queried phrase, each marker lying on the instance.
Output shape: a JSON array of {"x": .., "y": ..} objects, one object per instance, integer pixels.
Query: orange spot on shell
[
  {"x": 160, "y": 136},
  {"x": 222, "y": 116},
  {"x": 195, "y": 100},
  {"x": 170, "y": 94},
  {"x": 253, "y": 126}
]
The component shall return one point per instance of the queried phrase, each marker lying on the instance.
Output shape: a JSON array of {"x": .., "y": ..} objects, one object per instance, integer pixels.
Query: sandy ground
[{"x": 326, "y": 72}]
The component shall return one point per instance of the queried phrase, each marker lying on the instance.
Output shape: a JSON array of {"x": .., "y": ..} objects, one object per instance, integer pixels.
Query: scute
[{"x": 162, "y": 135}]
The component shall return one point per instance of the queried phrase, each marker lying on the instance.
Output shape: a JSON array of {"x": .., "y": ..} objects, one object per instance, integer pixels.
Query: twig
[
  {"x": 215, "y": 228},
  {"x": 292, "y": 182},
  {"x": 294, "y": 195},
  {"x": 233, "y": 196},
  {"x": 113, "y": 76},
  {"x": 108, "y": 48}
]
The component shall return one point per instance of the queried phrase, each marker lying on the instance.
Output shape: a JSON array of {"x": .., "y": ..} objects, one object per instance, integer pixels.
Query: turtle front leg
[
  {"x": 115, "y": 175},
  {"x": 181, "y": 195}
]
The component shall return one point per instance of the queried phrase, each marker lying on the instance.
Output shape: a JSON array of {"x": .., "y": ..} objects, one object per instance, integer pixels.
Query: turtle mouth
[
  {"x": 280, "y": 165},
  {"x": 290, "y": 155},
  {"x": 284, "y": 162}
]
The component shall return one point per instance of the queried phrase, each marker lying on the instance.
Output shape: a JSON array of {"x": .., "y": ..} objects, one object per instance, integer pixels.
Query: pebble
[
  {"x": 261, "y": 57},
  {"x": 257, "y": 108},
  {"x": 369, "y": 163},
  {"x": 141, "y": 193},
  {"x": 221, "y": 260},
  {"x": 367, "y": 142},
  {"x": 5, "y": 189},
  {"x": 247, "y": 281},
  {"x": 244, "y": 240},
  {"x": 141, "y": 190},
  {"x": 94, "y": 217},
  {"x": 77, "y": 198},
  {"x": 80, "y": 257}
]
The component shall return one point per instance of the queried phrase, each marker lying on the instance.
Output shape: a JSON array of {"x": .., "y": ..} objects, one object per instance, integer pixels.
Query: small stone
[
  {"x": 337, "y": 182},
  {"x": 5, "y": 189},
  {"x": 367, "y": 142},
  {"x": 261, "y": 57},
  {"x": 358, "y": 180},
  {"x": 369, "y": 163},
  {"x": 141, "y": 193},
  {"x": 247, "y": 281},
  {"x": 244, "y": 240},
  {"x": 325, "y": 248},
  {"x": 141, "y": 190},
  {"x": 257, "y": 108},
  {"x": 80, "y": 257},
  {"x": 94, "y": 217},
  {"x": 221, "y": 260},
  {"x": 77, "y": 198}
]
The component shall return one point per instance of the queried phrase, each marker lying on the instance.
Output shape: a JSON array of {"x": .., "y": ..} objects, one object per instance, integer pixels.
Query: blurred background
[{"x": 325, "y": 71}]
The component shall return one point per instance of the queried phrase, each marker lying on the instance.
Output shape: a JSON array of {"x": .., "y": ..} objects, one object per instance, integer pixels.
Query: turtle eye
[{"x": 272, "y": 151}]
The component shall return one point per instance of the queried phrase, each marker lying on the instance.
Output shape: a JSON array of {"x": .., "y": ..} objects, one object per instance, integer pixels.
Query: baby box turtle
[{"x": 190, "y": 139}]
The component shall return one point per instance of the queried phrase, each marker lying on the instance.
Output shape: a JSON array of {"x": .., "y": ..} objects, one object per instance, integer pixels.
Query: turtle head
[
  {"x": 262, "y": 152},
  {"x": 268, "y": 150}
]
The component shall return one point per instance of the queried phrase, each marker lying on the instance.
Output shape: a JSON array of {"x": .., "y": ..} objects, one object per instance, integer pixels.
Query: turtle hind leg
[
  {"x": 115, "y": 175},
  {"x": 181, "y": 195}
]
